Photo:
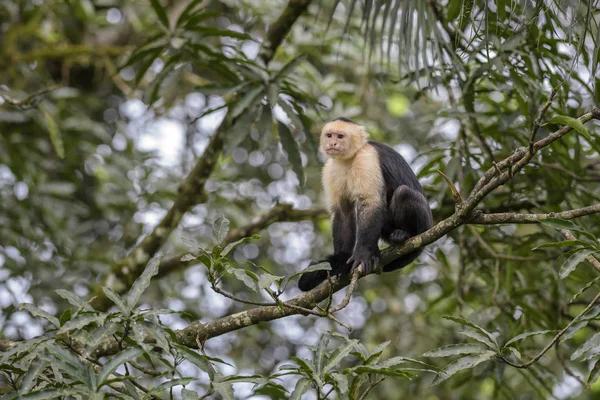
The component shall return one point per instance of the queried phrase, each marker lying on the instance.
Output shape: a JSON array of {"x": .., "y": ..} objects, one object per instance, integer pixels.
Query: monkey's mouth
[{"x": 333, "y": 151}]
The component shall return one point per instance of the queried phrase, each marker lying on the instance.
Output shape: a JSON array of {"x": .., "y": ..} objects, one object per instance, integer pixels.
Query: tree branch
[{"x": 515, "y": 218}]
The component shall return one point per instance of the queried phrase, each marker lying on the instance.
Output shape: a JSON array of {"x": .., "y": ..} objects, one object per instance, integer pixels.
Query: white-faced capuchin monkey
[{"x": 372, "y": 193}]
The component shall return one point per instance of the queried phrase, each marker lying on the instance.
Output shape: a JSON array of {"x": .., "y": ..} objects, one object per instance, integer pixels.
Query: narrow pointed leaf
[
  {"x": 588, "y": 345},
  {"x": 38, "y": 312},
  {"x": 302, "y": 387},
  {"x": 463, "y": 321},
  {"x": 142, "y": 283},
  {"x": 160, "y": 13},
  {"x": 116, "y": 361},
  {"x": 55, "y": 136},
  {"x": 28, "y": 381},
  {"x": 115, "y": 298},
  {"x": 461, "y": 364},
  {"x": 339, "y": 354},
  {"x": 573, "y": 261},
  {"x": 455, "y": 350},
  {"x": 220, "y": 229},
  {"x": 291, "y": 148},
  {"x": 81, "y": 321},
  {"x": 526, "y": 335}
]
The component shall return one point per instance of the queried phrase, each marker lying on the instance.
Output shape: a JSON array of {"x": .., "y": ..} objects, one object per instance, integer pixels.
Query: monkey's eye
[
  {"x": 328, "y": 135},
  {"x": 340, "y": 136}
]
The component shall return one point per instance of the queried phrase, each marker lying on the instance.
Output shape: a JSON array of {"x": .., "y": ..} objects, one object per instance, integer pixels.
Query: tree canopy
[{"x": 160, "y": 189}]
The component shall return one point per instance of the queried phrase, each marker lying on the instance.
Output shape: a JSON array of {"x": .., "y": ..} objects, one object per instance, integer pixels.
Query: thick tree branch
[
  {"x": 515, "y": 218},
  {"x": 191, "y": 191}
]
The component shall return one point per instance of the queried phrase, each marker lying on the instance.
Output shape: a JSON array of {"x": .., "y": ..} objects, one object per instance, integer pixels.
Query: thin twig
[
  {"x": 554, "y": 340},
  {"x": 351, "y": 287},
  {"x": 538, "y": 121},
  {"x": 30, "y": 101}
]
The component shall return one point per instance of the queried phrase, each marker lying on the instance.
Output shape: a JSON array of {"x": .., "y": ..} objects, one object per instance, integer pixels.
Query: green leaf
[
  {"x": 302, "y": 387},
  {"x": 198, "y": 360},
  {"x": 108, "y": 329},
  {"x": 573, "y": 123},
  {"x": 324, "y": 266},
  {"x": 160, "y": 13},
  {"x": 235, "y": 244},
  {"x": 289, "y": 67},
  {"x": 70, "y": 362},
  {"x": 158, "y": 334},
  {"x": 454, "y": 9},
  {"x": 116, "y": 361},
  {"x": 461, "y": 364},
  {"x": 142, "y": 283},
  {"x": 139, "y": 75},
  {"x": 513, "y": 350},
  {"x": 38, "y": 312},
  {"x": 526, "y": 335},
  {"x": 188, "y": 10},
  {"x": 29, "y": 379},
  {"x": 169, "y": 384},
  {"x": 291, "y": 148},
  {"x": 266, "y": 280},
  {"x": 55, "y": 136},
  {"x": 249, "y": 100},
  {"x": 187, "y": 394},
  {"x": 115, "y": 298},
  {"x": 564, "y": 243},
  {"x": 573, "y": 261},
  {"x": 187, "y": 257},
  {"x": 265, "y": 126},
  {"x": 225, "y": 389},
  {"x": 373, "y": 369},
  {"x": 464, "y": 322},
  {"x": 81, "y": 321},
  {"x": 455, "y": 349},
  {"x": 376, "y": 353},
  {"x": 339, "y": 354},
  {"x": 479, "y": 337},
  {"x": 220, "y": 229},
  {"x": 392, "y": 362},
  {"x": 65, "y": 316},
  {"x": 248, "y": 278},
  {"x": 341, "y": 383},
  {"x": 73, "y": 299},
  {"x": 590, "y": 344},
  {"x": 140, "y": 53}
]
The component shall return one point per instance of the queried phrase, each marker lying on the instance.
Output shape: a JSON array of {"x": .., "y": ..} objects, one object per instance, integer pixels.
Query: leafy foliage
[{"x": 106, "y": 106}]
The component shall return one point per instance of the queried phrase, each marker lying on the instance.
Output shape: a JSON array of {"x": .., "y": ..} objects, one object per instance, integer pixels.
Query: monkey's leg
[
  {"x": 344, "y": 231},
  {"x": 410, "y": 215}
]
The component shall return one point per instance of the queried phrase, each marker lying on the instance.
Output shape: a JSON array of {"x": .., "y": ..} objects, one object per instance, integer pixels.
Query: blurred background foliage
[{"x": 105, "y": 106}]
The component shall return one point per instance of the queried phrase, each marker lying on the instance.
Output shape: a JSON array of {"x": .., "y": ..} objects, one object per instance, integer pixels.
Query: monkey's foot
[{"x": 398, "y": 236}]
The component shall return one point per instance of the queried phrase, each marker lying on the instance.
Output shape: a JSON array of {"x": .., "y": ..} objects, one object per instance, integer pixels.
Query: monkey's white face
[
  {"x": 336, "y": 144},
  {"x": 342, "y": 140}
]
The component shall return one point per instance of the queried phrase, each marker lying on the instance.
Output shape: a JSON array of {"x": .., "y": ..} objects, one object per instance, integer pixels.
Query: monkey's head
[{"x": 342, "y": 138}]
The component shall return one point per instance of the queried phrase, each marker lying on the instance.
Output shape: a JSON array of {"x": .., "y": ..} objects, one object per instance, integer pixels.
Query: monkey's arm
[{"x": 370, "y": 220}]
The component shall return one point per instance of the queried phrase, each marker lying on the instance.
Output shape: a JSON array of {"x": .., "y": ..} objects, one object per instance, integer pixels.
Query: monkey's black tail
[
  {"x": 311, "y": 280},
  {"x": 402, "y": 261}
]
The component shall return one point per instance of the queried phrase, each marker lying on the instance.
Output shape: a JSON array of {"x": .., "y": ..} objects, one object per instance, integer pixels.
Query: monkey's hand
[{"x": 368, "y": 258}]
